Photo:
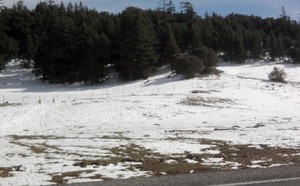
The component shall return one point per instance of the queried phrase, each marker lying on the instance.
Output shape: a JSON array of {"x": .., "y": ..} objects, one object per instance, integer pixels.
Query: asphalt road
[{"x": 277, "y": 176}]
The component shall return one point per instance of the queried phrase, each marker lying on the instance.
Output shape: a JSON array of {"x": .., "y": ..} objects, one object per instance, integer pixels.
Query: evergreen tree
[
  {"x": 162, "y": 6},
  {"x": 8, "y": 44},
  {"x": 169, "y": 46},
  {"x": 239, "y": 50},
  {"x": 283, "y": 14},
  {"x": 188, "y": 10},
  {"x": 137, "y": 45},
  {"x": 297, "y": 50},
  {"x": 274, "y": 49},
  {"x": 256, "y": 48},
  {"x": 74, "y": 43},
  {"x": 192, "y": 33},
  {"x": 207, "y": 36},
  {"x": 172, "y": 48},
  {"x": 167, "y": 9},
  {"x": 8, "y": 49},
  {"x": 70, "y": 7},
  {"x": 228, "y": 43},
  {"x": 50, "y": 2},
  {"x": 170, "y": 7},
  {"x": 281, "y": 48}
]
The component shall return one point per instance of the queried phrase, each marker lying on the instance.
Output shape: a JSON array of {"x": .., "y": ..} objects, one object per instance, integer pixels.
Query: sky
[{"x": 263, "y": 8}]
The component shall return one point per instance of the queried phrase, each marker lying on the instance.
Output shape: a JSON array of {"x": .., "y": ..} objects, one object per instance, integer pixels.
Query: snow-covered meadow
[{"x": 46, "y": 130}]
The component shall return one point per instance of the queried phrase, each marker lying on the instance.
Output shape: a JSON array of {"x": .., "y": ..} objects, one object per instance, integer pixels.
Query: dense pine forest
[{"x": 67, "y": 43}]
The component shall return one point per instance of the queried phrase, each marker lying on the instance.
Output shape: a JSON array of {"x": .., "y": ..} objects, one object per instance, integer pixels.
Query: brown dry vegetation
[
  {"x": 206, "y": 102},
  {"x": 156, "y": 164}
]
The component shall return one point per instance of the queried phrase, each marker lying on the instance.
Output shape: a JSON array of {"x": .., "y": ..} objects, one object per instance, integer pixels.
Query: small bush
[
  {"x": 209, "y": 57},
  {"x": 277, "y": 75},
  {"x": 188, "y": 65}
]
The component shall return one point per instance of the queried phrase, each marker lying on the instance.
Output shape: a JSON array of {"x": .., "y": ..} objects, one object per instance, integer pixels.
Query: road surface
[{"x": 276, "y": 176}]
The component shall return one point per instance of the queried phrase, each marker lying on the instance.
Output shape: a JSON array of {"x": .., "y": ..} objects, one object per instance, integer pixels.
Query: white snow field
[{"x": 46, "y": 129}]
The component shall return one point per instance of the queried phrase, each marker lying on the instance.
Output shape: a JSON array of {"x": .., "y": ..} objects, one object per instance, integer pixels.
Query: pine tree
[
  {"x": 136, "y": 45},
  {"x": 188, "y": 10},
  {"x": 8, "y": 49},
  {"x": 281, "y": 48},
  {"x": 283, "y": 14},
  {"x": 70, "y": 7},
  {"x": 273, "y": 46},
  {"x": 239, "y": 50},
  {"x": 192, "y": 32},
  {"x": 228, "y": 43},
  {"x": 166, "y": 9},
  {"x": 297, "y": 50},
  {"x": 100, "y": 56},
  {"x": 29, "y": 51},
  {"x": 50, "y": 2},
  {"x": 256, "y": 45},
  {"x": 207, "y": 37},
  {"x": 162, "y": 6},
  {"x": 170, "y": 47},
  {"x": 170, "y": 7},
  {"x": 73, "y": 43}
]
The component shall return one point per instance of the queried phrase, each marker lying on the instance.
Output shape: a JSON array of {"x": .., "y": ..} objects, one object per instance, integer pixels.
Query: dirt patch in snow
[
  {"x": 9, "y": 104},
  {"x": 7, "y": 171},
  {"x": 64, "y": 177},
  {"x": 221, "y": 155},
  {"x": 203, "y": 91},
  {"x": 207, "y": 102}
]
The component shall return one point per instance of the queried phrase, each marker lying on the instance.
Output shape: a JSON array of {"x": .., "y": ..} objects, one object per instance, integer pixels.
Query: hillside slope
[{"x": 75, "y": 133}]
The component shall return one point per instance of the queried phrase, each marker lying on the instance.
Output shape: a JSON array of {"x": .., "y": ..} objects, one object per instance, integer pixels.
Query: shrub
[
  {"x": 188, "y": 65},
  {"x": 209, "y": 57},
  {"x": 277, "y": 75}
]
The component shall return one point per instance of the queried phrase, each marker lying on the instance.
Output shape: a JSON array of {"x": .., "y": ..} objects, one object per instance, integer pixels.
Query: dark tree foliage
[
  {"x": 136, "y": 47},
  {"x": 254, "y": 44},
  {"x": 208, "y": 56},
  {"x": 170, "y": 47},
  {"x": 8, "y": 45},
  {"x": 296, "y": 54},
  {"x": 72, "y": 43},
  {"x": 76, "y": 50},
  {"x": 191, "y": 35},
  {"x": 167, "y": 45},
  {"x": 188, "y": 65}
]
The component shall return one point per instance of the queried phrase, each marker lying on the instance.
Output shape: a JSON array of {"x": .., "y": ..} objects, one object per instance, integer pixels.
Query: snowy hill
[{"x": 46, "y": 129}]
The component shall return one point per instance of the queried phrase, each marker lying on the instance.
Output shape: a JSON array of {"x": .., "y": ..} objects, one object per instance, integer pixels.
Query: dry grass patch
[
  {"x": 62, "y": 178},
  {"x": 203, "y": 91},
  {"x": 136, "y": 158},
  {"x": 5, "y": 172},
  {"x": 206, "y": 102},
  {"x": 9, "y": 104},
  {"x": 172, "y": 169},
  {"x": 246, "y": 154}
]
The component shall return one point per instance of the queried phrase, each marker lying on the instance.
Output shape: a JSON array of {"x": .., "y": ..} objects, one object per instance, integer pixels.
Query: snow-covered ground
[{"x": 46, "y": 129}]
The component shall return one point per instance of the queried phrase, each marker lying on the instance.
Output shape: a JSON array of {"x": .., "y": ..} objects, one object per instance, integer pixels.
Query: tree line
[{"x": 72, "y": 43}]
